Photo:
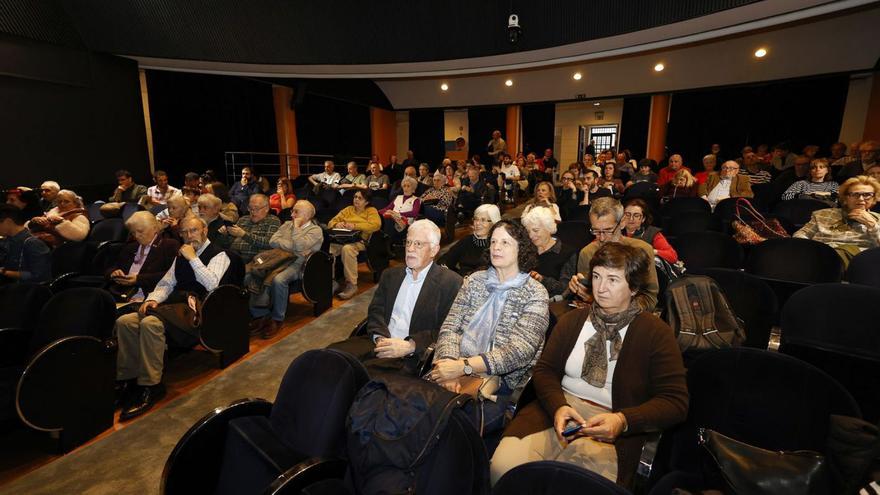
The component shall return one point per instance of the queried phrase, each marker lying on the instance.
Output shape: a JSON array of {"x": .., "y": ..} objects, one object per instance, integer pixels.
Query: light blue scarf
[{"x": 478, "y": 335}]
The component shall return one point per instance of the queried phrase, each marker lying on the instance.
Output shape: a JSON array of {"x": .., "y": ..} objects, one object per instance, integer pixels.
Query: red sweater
[{"x": 667, "y": 174}]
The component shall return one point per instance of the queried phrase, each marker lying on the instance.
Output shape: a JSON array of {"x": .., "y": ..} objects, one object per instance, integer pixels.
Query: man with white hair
[
  {"x": 408, "y": 307},
  {"x": 48, "y": 193},
  {"x": 209, "y": 207},
  {"x": 199, "y": 268}
]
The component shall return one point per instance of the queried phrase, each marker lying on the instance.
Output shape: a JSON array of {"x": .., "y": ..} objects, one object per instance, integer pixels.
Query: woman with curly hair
[{"x": 497, "y": 323}]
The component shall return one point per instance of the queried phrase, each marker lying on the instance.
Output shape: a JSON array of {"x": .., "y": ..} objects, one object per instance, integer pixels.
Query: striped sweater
[{"x": 519, "y": 335}]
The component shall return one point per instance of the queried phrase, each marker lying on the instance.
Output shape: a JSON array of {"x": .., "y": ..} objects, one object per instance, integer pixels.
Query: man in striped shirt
[{"x": 753, "y": 170}]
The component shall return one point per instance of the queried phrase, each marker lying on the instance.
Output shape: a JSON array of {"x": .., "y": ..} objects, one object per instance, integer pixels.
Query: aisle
[{"x": 130, "y": 461}]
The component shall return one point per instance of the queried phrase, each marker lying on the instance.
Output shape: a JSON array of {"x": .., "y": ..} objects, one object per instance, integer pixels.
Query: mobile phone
[
  {"x": 583, "y": 281},
  {"x": 571, "y": 430}
]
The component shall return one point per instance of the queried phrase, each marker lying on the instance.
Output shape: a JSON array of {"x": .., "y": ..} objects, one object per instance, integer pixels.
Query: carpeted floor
[{"x": 130, "y": 461}]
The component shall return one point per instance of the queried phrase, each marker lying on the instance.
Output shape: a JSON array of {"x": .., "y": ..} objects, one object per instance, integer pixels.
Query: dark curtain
[
  {"x": 327, "y": 126},
  {"x": 801, "y": 112},
  {"x": 538, "y": 122},
  {"x": 196, "y": 118},
  {"x": 426, "y": 138},
  {"x": 481, "y": 122},
  {"x": 634, "y": 125}
]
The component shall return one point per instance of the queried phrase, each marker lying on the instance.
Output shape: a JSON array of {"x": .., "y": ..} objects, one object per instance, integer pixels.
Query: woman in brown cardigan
[{"x": 611, "y": 368}]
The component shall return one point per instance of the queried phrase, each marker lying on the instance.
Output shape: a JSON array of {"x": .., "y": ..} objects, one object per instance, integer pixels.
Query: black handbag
[
  {"x": 344, "y": 236},
  {"x": 755, "y": 471}
]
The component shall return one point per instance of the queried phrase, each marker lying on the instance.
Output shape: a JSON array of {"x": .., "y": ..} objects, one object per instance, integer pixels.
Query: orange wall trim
[
  {"x": 872, "y": 120},
  {"x": 285, "y": 127},
  {"x": 657, "y": 123},
  {"x": 383, "y": 132},
  {"x": 512, "y": 134}
]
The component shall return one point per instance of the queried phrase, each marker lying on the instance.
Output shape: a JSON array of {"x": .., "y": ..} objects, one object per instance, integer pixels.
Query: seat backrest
[
  {"x": 832, "y": 327},
  {"x": 458, "y": 464},
  {"x": 677, "y": 205},
  {"x": 21, "y": 303},
  {"x": 94, "y": 212},
  {"x": 688, "y": 221},
  {"x": 575, "y": 234},
  {"x": 129, "y": 209},
  {"x": 864, "y": 268},
  {"x": 554, "y": 478},
  {"x": 795, "y": 260},
  {"x": 234, "y": 274},
  {"x": 78, "y": 311},
  {"x": 723, "y": 214},
  {"x": 110, "y": 229},
  {"x": 752, "y": 300},
  {"x": 71, "y": 257},
  {"x": 762, "y": 398},
  {"x": 707, "y": 249},
  {"x": 313, "y": 400},
  {"x": 798, "y": 211}
]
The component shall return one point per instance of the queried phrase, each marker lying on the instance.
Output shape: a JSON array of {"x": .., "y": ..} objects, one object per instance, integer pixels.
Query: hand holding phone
[{"x": 572, "y": 429}]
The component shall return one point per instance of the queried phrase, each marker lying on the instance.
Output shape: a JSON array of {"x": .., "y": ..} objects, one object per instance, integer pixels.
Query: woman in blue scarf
[{"x": 497, "y": 323}]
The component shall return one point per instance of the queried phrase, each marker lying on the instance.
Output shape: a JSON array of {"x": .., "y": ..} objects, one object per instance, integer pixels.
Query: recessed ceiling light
[
  {"x": 760, "y": 52},
  {"x": 596, "y": 104},
  {"x": 444, "y": 86},
  {"x": 659, "y": 67},
  {"x": 577, "y": 76},
  {"x": 508, "y": 82}
]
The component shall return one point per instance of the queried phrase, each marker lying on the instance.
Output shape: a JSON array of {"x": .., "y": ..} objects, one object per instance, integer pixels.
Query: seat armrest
[
  {"x": 426, "y": 360},
  {"x": 359, "y": 329},
  {"x": 13, "y": 346},
  {"x": 646, "y": 463},
  {"x": 308, "y": 472}
]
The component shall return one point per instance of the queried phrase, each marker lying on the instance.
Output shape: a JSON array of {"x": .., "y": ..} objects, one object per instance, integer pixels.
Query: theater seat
[
  {"x": 245, "y": 447},
  {"x": 864, "y": 268},
  {"x": 762, "y": 398},
  {"x": 707, "y": 249},
  {"x": 833, "y": 327},
  {"x": 554, "y": 478}
]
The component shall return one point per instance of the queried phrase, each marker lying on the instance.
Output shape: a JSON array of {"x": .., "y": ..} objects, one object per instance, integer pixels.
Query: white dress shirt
[
  {"x": 209, "y": 276},
  {"x": 719, "y": 192},
  {"x": 407, "y": 296}
]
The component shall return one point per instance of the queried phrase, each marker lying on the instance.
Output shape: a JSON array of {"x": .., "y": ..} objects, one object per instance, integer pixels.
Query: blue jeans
[{"x": 279, "y": 293}]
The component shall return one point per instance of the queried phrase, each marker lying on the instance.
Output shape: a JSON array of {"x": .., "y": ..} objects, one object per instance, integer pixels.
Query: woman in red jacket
[{"x": 637, "y": 223}]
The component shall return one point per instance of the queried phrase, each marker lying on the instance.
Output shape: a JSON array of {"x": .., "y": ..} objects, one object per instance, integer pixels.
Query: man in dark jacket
[
  {"x": 23, "y": 257},
  {"x": 408, "y": 307}
]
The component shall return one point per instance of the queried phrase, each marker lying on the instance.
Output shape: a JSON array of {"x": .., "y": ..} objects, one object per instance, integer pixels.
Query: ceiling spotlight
[
  {"x": 596, "y": 104},
  {"x": 444, "y": 86},
  {"x": 577, "y": 76},
  {"x": 508, "y": 82},
  {"x": 659, "y": 67},
  {"x": 760, "y": 52}
]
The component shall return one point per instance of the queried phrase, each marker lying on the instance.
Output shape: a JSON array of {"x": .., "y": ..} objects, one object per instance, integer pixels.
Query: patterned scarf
[{"x": 607, "y": 327}]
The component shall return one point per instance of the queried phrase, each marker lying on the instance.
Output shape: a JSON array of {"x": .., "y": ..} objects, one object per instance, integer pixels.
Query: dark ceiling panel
[
  {"x": 346, "y": 31},
  {"x": 41, "y": 20}
]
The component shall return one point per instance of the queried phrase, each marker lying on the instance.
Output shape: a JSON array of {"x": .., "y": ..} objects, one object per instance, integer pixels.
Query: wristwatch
[{"x": 468, "y": 369}]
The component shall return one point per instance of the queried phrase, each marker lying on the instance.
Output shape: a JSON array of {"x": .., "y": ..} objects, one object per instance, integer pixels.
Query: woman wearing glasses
[
  {"x": 637, "y": 223},
  {"x": 469, "y": 254},
  {"x": 853, "y": 227},
  {"x": 496, "y": 324}
]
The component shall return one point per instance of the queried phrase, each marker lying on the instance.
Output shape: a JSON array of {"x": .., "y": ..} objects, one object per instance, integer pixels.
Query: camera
[{"x": 513, "y": 29}]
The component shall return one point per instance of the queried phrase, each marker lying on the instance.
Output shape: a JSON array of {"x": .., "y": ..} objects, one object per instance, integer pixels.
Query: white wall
[
  {"x": 569, "y": 116},
  {"x": 856, "y": 111},
  {"x": 402, "y": 136}
]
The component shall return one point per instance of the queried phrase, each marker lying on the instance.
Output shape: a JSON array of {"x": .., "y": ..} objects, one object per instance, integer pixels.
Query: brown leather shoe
[
  {"x": 257, "y": 325},
  {"x": 270, "y": 329}
]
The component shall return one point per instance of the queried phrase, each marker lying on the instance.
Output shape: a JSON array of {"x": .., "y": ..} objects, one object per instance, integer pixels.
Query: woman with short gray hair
[
  {"x": 469, "y": 254},
  {"x": 142, "y": 262},
  {"x": 67, "y": 221},
  {"x": 402, "y": 211},
  {"x": 557, "y": 262}
]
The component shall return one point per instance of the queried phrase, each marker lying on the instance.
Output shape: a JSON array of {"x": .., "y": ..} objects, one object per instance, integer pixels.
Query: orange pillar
[
  {"x": 383, "y": 132},
  {"x": 512, "y": 136},
  {"x": 657, "y": 122},
  {"x": 285, "y": 127},
  {"x": 872, "y": 120}
]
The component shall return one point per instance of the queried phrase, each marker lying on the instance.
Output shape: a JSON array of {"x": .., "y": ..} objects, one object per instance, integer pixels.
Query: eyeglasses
[
  {"x": 190, "y": 231},
  {"x": 256, "y": 208},
  {"x": 482, "y": 220},
  {"x": 860, "y": 195},
  {"x": 416, "y": 244},
  {"x": 634, "y": 216},
  {"x": 602, "y": 232},
  {"x": 567, "y": 179},
  {"x": 729, "y": 168}
]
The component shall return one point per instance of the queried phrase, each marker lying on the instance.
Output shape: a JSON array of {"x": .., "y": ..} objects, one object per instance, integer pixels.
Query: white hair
[
  {"x": 51, "y": 184},
  {"x": 309, "y": 206},
  {"x": 209, "y": 199},
  {"x": 430, "y": 228},
  {"x": 408, "y": 179},
  {"x": 77, "y": 200},
  {"x": 491, "y": 211},
  {"x": 142, "y": 219},
  {"x": 540, "y": 216}
]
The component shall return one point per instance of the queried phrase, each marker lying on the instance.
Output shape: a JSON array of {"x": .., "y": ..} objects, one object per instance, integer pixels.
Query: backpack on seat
[
  {"x": 700, "y": 315},
  {"x": 393, "y": 426}
]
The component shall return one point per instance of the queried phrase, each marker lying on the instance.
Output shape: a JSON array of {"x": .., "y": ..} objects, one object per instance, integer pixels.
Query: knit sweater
[
  {"x": 367, "y": 221},
  {"x": 519, "y": 333}
]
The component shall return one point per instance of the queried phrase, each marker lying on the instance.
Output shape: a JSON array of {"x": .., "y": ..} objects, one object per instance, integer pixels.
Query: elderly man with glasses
[
  {"x": 253, "y": 232},
  {"x": 727, "y": 184},
  {"x": 606, "y": 223},
  {"x": 408, "y": 307}
]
